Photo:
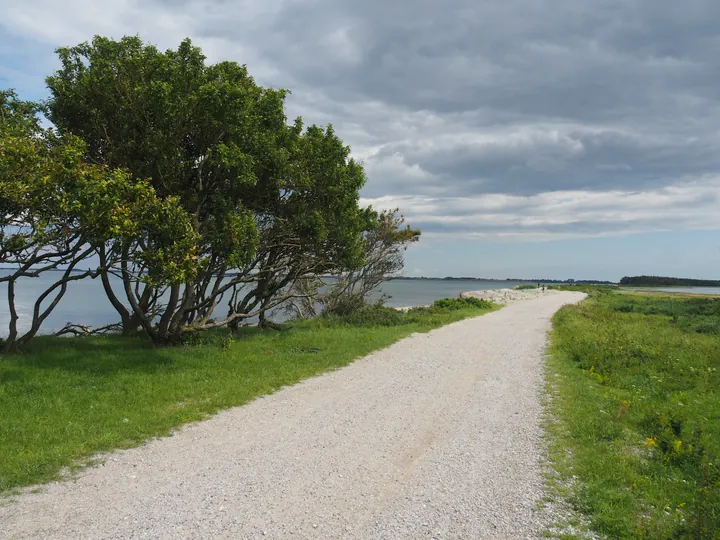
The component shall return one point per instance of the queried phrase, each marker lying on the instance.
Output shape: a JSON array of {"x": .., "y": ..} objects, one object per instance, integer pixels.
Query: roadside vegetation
[
  {"x": 586, "y": 288},
  {"x": 666, "y": 294},
  {"x": 66, "y": 399},
  {"x": 634, "y": 416}
]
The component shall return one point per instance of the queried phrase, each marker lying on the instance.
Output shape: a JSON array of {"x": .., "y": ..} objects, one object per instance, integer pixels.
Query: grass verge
[
  {"x": 666, "y": 294},
  {"x": 634, "y": 415},
  {"x": 66, "y": 399}
]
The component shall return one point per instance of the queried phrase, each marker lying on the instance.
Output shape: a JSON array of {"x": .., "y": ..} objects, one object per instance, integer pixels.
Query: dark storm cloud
[
  {"x": 545, "y": 160},
  {"x": 463, "y": 101},
  {"x": 561, "y": 58},
  {"x": 602, "y": 95}
]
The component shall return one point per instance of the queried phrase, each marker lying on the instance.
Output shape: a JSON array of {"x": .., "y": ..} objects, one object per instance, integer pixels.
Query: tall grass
[
  {"x": 636, "y": 414},
  {"x": 66, "y": 399}
]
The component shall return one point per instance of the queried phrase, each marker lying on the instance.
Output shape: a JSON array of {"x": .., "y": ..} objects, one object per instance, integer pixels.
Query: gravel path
[{"x": 436, "y": 436}]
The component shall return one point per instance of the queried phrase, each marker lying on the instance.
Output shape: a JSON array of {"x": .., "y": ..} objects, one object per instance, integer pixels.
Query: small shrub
[
  {"x": 378, "y": 314},
  {"x": 343, "y": 304},
  {"x": 626, "y": 307},
  {"x": 375, "y": 315},
  {"x": 453, "y": 304},
  {"x": 707, "y": 328},
  {"x": 368, "y": 315}
]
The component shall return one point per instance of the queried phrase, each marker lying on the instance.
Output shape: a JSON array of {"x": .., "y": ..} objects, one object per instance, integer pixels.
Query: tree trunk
[
  {"x": 166, "y": 318},
  {"x": 39, "y": 317},
  {"x": 176, "y": 323},
  {"x": 9, "y": 344},
  {"x": 267, "y": 323},
  {"x": 137, "y": 310},
  {"x": 129, "y": 322},
  {"x": 130, "y": 328}
]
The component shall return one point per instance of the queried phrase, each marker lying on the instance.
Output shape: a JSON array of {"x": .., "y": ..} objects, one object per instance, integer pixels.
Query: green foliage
[
  {"x": 377, "y": 314},
  {"x": 199, "y": 133},
  {"x": 270, "y": 202},
  {"x": 372, "y": 315},
  {"x": 525, "y": 287},
  {"x": 186, "y": 181},
  {"x": 64, "y": 400},
  {"x": 50, "y": 197},
  {"x": 590, "y": 289},
  {"x": 384, "y": 240},
  {"x": 638, "y": 410},
  {"x": 208, "y": 135},
  {"x": 462, "y": 303},
  {"x": 701, "y": 315},
  {"x": 55, "y": 210}
]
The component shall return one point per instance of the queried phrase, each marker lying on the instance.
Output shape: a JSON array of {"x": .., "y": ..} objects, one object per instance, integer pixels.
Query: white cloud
[{"x": 563, "y": 214}]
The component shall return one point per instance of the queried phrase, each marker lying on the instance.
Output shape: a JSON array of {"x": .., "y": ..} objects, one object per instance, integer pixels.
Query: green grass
[
  {"x": 586, "y": 288},
  {"x": 664, "y": 294},
  {"x": 66, "y": 399},
  {"x": 634, "y": 423}
]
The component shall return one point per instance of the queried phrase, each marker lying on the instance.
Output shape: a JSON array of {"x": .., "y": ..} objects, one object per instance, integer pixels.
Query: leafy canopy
[
  {"x": 201, "y": 133},
  {"x": 53, "y": 205},
  {"x": 208, "y": 135}
]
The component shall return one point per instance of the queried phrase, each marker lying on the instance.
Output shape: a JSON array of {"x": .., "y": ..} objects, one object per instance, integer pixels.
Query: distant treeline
[{"x": 659, "y": 281}]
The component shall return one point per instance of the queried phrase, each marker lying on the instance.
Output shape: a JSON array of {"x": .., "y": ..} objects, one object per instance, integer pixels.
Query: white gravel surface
[{"x": 436, "y": 436}]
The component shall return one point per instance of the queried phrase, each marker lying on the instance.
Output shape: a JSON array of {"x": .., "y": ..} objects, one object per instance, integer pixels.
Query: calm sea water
[{"x": 86, "y": 303}]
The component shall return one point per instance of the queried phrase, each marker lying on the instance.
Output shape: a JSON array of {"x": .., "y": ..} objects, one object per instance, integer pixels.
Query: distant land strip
[
  {"x": 660, "y": 281},
  {"x": 514, "y": 280}
]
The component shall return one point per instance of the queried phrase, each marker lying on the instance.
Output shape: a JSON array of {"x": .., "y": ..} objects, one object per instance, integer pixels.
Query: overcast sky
[{"x": 554, "y": 138}]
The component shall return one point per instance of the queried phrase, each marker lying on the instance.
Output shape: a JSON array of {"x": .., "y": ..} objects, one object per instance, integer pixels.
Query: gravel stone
[{"x": 436, "y": 436}]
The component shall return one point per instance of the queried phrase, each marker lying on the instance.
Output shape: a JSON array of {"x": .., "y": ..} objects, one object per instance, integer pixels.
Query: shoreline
[
  {"x": 498, "y": 296},
  {"x": 508, "y": 296}
]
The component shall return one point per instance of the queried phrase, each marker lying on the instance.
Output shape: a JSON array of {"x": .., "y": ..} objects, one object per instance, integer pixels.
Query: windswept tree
[
  {"x": 384, "y": 243},
  {"x": 269, "y": 202},
  {"x": 309, "y": 220},
  {"x": 56, "y": 211}
]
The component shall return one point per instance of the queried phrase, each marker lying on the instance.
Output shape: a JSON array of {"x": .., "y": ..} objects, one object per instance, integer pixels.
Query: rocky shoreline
[{"x": 508, "y": 296}]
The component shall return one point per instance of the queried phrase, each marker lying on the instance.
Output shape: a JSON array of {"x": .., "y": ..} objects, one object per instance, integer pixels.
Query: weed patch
[{"x": 637, "y": 409}]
